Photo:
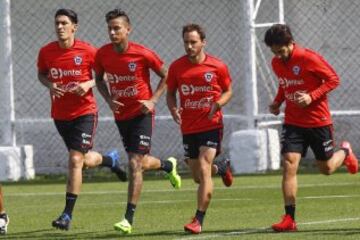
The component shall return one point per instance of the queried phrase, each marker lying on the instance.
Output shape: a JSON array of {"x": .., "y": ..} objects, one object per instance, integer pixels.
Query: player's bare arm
[
  {"x": 172, "y": 106},
  {"x": 149, "y": 105},
  {"x": 103, "y": 89},
  {"x": 224, "y": 99},
  {"x": 55, "y": 90}
]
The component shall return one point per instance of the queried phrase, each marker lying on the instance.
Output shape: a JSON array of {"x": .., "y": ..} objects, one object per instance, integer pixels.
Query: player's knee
[
  {"x": 135, "y": 166},
  {"x": 76, "y": 161}
]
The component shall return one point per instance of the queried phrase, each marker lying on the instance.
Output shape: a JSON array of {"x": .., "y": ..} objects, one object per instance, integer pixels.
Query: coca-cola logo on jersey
[
  {"x": 69, "y": 86},
  {"x": 198, "y": 104},
  {"x": 113, "y": 78},
  {"x": 190, "y": 89},
  {"x": 57, "y": 73},
  {"x": 130, "y": 91}
]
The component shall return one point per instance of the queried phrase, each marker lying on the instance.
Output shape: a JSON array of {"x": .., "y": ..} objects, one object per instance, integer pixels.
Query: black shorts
[
  {"x": 298, "y": 139},
  {"x": 136, "y": 133},
  {"x": 78, "y": 134},
  {"x": 192, "y": 142}
]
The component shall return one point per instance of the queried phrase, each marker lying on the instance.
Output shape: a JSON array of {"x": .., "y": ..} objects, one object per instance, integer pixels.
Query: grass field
[{"x": 327, "y": 208}]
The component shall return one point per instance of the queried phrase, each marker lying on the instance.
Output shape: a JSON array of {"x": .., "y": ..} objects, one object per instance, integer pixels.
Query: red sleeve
[
  {"x": 280, "y": 96},
  {"x": 171, "y": 79},
  {"x": 98, "y": 68},
  {"x": 92, "y": 54},
  {"x": 320, "y": 68},
  {"x": 153, "y": 61},
  {"x": 225, "y": 79},
  {"x": 41, "y": 65}
]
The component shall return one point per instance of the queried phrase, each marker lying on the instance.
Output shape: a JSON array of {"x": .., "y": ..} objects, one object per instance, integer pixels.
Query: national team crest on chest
[
  {"x": 78, "y": 60},
  {"x": 208, "y": 76},
  {"x": 132, "y": 66},
  {"x": 296, "y": 70}
]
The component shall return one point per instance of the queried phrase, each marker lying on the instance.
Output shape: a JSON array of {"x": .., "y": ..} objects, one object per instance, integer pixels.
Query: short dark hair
[
  {"x": 194, "y": 27},
  {"x": 117, "y": 12},
  {"x": 278, "y": 34},
  {"x": 69, "y": 13}
]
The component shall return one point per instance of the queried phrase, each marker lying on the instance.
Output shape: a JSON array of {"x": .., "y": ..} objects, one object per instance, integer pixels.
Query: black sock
[
  {"x": 290, "y": 210},
  {"x": 221, "y": 165},
  {"x": 70, "y": 203},
  {"x": 106, "y": 161},
  {"x": 167, "y": 166},
  {"x": 200, "y": 216},
  {"x": 130, "y": 210}
]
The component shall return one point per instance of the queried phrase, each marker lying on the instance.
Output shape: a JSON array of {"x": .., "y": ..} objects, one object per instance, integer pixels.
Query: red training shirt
[
  {"x": 128, "y": 75},
  {"x": 199, "y": 86},
  {"x": 68, "y": 67},
  {"x": 305, "y": 71}
]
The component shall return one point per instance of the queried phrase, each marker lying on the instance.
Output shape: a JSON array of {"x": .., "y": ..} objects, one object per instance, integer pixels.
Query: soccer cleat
[
  {"x": 116, "y": 166},
  {"x": 173, "y": 176},
  {"x": 123, "y": 226},
  {"x": 287, "y": 224},
  {"x": 4, "y": 218},
  {"x": 193, "y": 227},
  {"x": 227, "y": 177},
  {"x": 350, "y": 161},
  {"x": 62, "y": 222}
]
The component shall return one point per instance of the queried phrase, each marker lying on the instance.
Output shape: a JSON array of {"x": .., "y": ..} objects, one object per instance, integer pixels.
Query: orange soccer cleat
[{"x": 350, "y": 161}]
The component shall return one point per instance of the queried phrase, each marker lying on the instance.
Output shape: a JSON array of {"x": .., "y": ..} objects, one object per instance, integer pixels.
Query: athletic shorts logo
[
  {"x": 77, "y": 60},
  {"x": 296, "y": 70},
  {"x": 208, "y": 76},
  {"x": 132, "y": 67}
]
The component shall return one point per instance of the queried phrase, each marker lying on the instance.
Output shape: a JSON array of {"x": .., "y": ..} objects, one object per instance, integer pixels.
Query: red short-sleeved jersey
[
  {"x": 128, "y": 75},
  {"x": 68, "y": 67},
  {"x": 199, "y": 85},
  {"x": 305, "y": 71}
]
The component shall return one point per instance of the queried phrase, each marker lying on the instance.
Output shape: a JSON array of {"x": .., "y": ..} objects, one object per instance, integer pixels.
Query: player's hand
[
  {"x": 214, "y": 108},
  {"x": 80, "y": 89},
  {"x": 274, "y": 108},
  {"x": 176, "y": 114},
  {"x": 115, "y": 106},
  {"x": 56, "y": 90},
  {"x": 147, "y": 106},
  {"x": 302, "y": 99}
]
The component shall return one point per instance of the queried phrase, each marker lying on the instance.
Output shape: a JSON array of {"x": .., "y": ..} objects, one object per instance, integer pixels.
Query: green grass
[{"x": 327, "y": 208}]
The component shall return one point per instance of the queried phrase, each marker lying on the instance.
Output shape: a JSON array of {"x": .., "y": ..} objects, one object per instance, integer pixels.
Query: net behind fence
[{"x": 326, "y": 26}]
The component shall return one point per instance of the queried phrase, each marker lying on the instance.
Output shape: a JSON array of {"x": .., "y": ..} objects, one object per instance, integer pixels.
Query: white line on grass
[
  {"x": 277, "y": 186},
  {"x": 263, "y": 229}
]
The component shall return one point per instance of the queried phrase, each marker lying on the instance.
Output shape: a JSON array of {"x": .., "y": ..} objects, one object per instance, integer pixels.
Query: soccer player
[
  {"x": 126, "y": 67},
  {"x": 204, "y": 87},
  {"x": 305, "y": 78},
  {"x": 65, "y": 68},
  {"x": 3, "y": 215}
]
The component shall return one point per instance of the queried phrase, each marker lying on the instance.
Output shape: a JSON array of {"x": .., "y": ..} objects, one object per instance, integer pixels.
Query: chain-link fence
[
  {"x": 156, "y": 24},
  {"x": 329, "y": 27}
]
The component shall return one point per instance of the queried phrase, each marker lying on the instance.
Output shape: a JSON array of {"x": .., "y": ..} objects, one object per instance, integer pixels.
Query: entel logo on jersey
[
  {"x": 132, "y": 67},
  {"x": 190, "y": 89},
  {"x": 284, "y": 82},
  {"x": 77, "y": 60},
  {"x": 208, "y": 76},
  {"x": 113, "y": 78},
  {"x": 59, "y": 73}
]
